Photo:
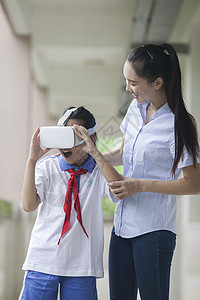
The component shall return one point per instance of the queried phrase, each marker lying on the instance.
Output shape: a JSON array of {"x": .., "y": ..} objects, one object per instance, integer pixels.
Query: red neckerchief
[{"x": 72, "y": 187}]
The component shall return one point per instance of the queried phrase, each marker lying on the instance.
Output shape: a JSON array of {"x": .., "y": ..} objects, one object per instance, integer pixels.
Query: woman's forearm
[
  {"x": 188, "y": 185},
  {"x": 180, "y": 186},
  {"x": 114, "y": 157},
  {"x": 30, "y": 199}
]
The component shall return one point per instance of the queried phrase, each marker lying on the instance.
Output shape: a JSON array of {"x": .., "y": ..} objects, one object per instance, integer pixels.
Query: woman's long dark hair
[{"x": 153, "y": 61}]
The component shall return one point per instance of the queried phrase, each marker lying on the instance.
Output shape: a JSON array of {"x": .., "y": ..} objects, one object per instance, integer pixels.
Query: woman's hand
[
  {"x": 36, "y": 152},
  {"x": 125, "y": 188}
]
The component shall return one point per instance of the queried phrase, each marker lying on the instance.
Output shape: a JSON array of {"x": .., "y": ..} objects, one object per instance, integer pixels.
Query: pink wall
[{"x": 23, "y": 106}]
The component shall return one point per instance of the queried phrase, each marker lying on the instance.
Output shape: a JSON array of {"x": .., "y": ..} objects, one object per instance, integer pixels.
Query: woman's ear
[{"x": 158, "y": 83}]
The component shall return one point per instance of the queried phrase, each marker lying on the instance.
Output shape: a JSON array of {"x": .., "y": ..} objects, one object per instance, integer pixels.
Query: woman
[{"x": 160, "y": 141}]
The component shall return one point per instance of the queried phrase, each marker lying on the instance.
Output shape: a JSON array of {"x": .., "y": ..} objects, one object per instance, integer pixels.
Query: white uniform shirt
[
  {"x": 148, "y": 154},
  {"x": 76, "y": 255}
]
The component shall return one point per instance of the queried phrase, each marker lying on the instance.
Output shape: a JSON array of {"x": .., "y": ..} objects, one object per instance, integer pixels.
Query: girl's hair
[
  {"x": 82, "y": 114},
  {"x": 153, "y": 61}
]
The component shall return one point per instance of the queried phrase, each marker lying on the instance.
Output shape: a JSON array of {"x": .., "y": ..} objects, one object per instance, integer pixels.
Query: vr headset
[
  {"x": 56, "y": 137},
  {"x": 61, "y": 136}
]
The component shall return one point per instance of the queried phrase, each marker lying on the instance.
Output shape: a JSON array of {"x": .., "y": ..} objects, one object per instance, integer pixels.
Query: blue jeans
[
  {"x": 41, "y": 286},
  {"x": 142, "y": 263}
]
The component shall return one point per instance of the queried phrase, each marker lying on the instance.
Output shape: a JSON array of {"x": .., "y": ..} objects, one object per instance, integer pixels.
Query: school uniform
[{"x": 76, "y": 255}]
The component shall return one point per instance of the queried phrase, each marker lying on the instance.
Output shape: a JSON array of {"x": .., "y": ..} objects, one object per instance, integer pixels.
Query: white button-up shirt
[
  {"x": 148, "y": 154},
  {"x": 76, "y": 255}
]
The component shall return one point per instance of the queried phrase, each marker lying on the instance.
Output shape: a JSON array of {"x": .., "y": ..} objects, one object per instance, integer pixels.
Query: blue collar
[{"x": 88, "y": 165}]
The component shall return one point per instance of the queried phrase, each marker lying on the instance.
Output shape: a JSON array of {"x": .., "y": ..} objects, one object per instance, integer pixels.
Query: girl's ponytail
[{"x": 185, "y": 124}]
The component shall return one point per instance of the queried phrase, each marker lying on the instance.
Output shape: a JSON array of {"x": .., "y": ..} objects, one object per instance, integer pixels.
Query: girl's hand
[
  {"x": 89, "y": 145},
  {"x": 125, "y": 188},
  {"x": 36, "y": 152}
]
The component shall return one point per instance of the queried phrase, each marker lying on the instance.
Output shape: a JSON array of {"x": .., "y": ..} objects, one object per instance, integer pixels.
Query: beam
[{"x": 181, "y": 48}]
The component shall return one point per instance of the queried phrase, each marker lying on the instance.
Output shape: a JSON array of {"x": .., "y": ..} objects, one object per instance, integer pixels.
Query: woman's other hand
[{"x": 125, "y": 188}]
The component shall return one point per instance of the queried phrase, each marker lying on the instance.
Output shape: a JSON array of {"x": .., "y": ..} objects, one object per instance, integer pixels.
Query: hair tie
[{"x": 164, "y": 49}]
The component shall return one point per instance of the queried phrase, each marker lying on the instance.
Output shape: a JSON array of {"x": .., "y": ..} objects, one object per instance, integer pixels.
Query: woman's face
[
  {"x": 139, "y": 87},
  {"x": 75, "y": 155}
]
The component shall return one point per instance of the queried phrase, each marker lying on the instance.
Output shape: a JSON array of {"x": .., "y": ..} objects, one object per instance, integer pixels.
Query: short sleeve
[
  {"x": 40, "y": 181},
  {"x": 110, "y": 195},
  {"x": 186, "y": 159}
]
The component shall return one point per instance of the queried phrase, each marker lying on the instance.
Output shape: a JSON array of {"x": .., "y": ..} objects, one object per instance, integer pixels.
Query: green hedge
[{"x": 5, "y": 209}]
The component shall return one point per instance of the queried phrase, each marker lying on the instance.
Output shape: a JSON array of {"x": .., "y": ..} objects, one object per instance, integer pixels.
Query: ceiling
[{"x": 78, "y": 47}]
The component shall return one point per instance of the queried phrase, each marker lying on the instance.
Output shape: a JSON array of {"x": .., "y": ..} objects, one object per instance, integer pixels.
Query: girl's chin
[{"x": 71, "y": 161}]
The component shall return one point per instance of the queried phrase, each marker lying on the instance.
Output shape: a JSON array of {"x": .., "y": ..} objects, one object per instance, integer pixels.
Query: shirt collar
[
  {"x": 88, "y": 165},
  {"x": 142, "y": 104},
  {"x": 161, "y": 111}
]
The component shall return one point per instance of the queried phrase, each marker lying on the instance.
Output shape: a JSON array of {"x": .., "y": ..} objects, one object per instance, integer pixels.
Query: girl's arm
[
  {"x": 108, "y": 171},
  {"x": 188, "y": 185},
  {"x": 30, "y": 198}
]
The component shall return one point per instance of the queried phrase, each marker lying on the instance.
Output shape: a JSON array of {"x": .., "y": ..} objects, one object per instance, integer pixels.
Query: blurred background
[{"x": 56, "y": 54}]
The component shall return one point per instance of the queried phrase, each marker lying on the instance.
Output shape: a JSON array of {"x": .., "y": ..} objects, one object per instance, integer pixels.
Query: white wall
[
  {"x": 187, "y": 255},
  {"x": 191, "y": 225}
]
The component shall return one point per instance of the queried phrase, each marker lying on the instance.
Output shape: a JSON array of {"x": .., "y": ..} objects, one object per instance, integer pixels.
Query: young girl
[{"x": 66, "y": 245}]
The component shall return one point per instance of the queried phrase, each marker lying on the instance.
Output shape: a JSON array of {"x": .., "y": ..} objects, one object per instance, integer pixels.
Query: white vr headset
[{"x": 61, "y": 136}]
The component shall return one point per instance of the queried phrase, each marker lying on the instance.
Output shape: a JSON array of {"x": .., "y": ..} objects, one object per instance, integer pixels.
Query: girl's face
[
  {"x": 139, "y": 87},
  {"x": 75, "y": 155}
]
